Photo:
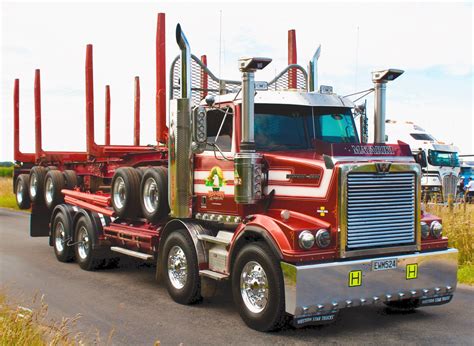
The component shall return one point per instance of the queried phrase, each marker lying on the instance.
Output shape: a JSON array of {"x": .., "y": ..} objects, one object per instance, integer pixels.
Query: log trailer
[{"x": 265, "y": 184}]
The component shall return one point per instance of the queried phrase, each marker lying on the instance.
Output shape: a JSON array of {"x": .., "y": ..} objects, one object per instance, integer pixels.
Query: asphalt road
[{"x": 127, "y": 301}]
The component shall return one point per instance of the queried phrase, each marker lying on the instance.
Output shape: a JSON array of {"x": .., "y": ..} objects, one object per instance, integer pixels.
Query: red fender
[{"x": 281, "y": 236}]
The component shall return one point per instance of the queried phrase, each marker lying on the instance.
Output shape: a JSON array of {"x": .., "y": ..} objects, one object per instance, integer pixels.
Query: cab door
[{"x": 214, "y": 168}]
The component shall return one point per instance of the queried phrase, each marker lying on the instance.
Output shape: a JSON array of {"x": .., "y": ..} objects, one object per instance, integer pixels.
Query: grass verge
[
  {"x": 24, "y": 326},
  {"x": 7, "y": 198}
]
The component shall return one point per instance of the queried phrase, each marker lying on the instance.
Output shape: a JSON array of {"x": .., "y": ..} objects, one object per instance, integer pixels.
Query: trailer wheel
[
  {"x": 180, "y": 268},
  {"x": 126, "y": 192},
  {"x": 53, "y": 184},
  {"x": 62, "y": 236},
  {"x": 154, "y": 194},
  {"x": 87, "y": 257},
  {"x": 258, "y": 289},
  {"x": 37, "y": 175},
  {"x": 70, "y": 179},
  {"x": 21, "y": 191}
]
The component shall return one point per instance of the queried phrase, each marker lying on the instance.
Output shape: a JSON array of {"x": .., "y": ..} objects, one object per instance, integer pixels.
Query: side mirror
[
  {"x": 199, "y": 130},
  {"x": 420, "y": 158}
]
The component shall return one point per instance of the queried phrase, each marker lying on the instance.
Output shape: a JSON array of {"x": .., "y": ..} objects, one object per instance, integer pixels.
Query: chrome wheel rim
[
  {"x": 150, "y": 195},
  {"x": 49, "y": 188},
  {"x": 83, "y": 243},
  {"x": 60, "y": 237},
  {"x": 177, "y": 267},
  {"x": 19, "y": 192},
  {"x": 119, "y": 193},
  {"x": 254, "y": 287},
  {"x": 33, "y": 182}
]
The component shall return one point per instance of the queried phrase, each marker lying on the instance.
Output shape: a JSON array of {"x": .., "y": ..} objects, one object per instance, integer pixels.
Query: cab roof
[{"x": 290, "y": 97}]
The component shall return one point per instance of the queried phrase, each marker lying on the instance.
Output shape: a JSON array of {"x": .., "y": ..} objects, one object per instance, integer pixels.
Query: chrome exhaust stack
[
  {"x": 180, "y": 166},
  {"x": 380, "y": 79},
  {"x": 248, "y": 175},
  {"x": 313, "y": 71}
]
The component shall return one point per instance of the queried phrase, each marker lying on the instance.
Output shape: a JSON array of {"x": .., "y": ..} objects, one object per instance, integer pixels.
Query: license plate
[{"x": 390, "y": 263}]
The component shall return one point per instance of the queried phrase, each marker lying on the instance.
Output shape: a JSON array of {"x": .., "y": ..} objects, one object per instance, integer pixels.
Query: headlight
[
  {"x": 436, "y": 229},
  {"x": 425, "y": 230},
  {"x": 323, "y": 238},
  {"x": 306, "y": 240}
]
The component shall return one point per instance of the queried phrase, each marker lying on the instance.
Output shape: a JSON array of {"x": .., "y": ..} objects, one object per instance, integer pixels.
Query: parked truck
[
  {"x": 263, "y": 184},
  {"x": 439, "y": 161}
]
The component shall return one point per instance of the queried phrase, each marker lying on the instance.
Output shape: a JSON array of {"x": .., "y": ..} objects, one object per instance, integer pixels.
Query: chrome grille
[
  {"x": 450, "y": 183},
  {"x": 380, "y": 210}
]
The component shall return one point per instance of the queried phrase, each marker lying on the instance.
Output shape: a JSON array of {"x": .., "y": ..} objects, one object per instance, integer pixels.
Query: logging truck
[{"x": 261, "y": 183}]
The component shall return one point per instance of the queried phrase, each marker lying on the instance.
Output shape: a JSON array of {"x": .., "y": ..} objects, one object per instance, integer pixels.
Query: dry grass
[
  {"x": 7, "y": 198},
  {"x": 458, "y": 226},
  {"x": 31, "y": 326},
  {"x": 24, "y": 326}
]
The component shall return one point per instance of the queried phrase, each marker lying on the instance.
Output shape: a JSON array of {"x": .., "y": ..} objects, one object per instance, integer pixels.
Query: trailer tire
[
  {"x": 180, "y": 268},
  {"x": 126, "y": 192},
  {"x": 261, "y": 310},
  {"x": 21, "y": 191},
  {"x": 53, "y": 184},
  {"x": 70, "y": 179},
  {"x": 154, "y": 194},
  {"x": 61, "y": 229},
  {"x": 36, "y": 185},
  {"x": 85, "y": 253}
]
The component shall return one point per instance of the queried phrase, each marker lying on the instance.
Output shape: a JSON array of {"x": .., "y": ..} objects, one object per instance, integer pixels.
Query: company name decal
[{"x": 372, "y": 150}]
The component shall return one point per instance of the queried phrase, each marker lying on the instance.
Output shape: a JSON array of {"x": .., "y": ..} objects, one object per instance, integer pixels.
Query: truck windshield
[
  {"x": 292, "y": 127},
  {"x": 443, "y": 158}
]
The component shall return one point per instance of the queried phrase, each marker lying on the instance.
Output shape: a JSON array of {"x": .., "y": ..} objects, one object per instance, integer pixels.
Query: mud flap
[{"x": 39, "y": 221}]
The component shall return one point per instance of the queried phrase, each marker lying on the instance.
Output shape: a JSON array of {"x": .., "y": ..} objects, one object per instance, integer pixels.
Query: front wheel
[
  {"x": 257, "y": 287},
  {"x": 180, "y": 268}
]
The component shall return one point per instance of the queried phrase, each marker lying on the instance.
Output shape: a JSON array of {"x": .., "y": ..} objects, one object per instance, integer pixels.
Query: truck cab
[{"x": 440, "y": 163}]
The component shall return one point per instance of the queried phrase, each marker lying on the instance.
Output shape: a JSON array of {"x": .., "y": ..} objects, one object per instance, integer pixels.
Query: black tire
[
  {"x": 272, "y": 315},
  {"x": 405, "y": 305},
  {"x": 36, "y": 188},
  {"x": 22, "y": 193},
  {"x": 85, "y": 253},
  {"x": 125, "y": 192},
  {"x": 62, "y": 232},
  {"x": 154, "y": 194},
  {"x": 53, "y": 184},
  {"x": 190, "y": 292},
  {"x": 70, "y": 179}
]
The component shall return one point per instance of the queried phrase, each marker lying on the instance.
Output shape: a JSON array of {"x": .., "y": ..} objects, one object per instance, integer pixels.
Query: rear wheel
[
  {"x": 154, "y": 194},
  {"x": 37, "y": 175},
  {"x": 70, "y": 179},
  {"x": 21, "y": 191},
  {"x": 257, "y": 287},
  {"x": 87, "y": 257},
  {"x": 126, "y": 192},
  {"x": 53, "y": 184},
  {"x": 62, "y": 236},
  {"x": 180, "y": 268}
]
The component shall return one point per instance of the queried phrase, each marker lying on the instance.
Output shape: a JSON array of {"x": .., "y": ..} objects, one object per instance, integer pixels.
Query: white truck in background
[{"x": 439, "y": 161}]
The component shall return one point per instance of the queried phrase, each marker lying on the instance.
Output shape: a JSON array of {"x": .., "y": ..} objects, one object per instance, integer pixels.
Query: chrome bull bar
[{"x": 323, "y": 289}]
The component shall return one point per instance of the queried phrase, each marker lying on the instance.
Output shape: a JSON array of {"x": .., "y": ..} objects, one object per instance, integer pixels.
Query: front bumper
[{"x": 323, "y": 289}]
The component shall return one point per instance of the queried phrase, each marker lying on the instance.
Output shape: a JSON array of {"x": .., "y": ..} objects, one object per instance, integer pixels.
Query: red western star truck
[{"x": 265, "y": 184}]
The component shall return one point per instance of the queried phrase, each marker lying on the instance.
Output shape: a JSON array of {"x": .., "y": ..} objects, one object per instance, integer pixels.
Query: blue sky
[{"x": 432, "y": 42}]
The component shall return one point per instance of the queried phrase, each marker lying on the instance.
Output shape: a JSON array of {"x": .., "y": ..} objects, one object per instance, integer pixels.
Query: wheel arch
[
  {"x": 194, "y": 230},
  {"x": 249, "y": 234}
]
